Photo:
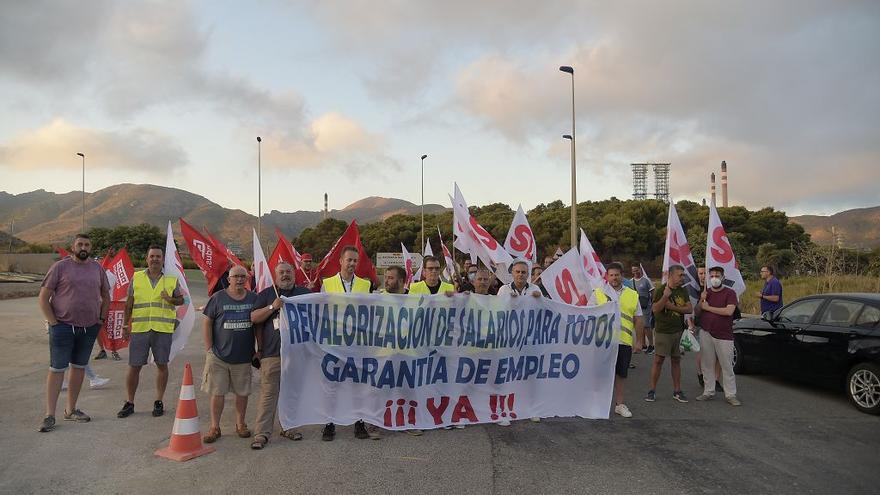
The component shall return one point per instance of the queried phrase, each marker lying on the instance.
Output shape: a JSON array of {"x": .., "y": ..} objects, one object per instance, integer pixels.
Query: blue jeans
[{"x": 69, "y": 345}]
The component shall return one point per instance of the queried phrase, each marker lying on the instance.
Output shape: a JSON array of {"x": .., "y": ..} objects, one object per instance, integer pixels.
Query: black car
[{"x": 824, "y": 338}]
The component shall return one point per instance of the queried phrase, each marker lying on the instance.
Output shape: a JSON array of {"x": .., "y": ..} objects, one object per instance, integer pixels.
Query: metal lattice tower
[
  {"x": 640, "y": 178},
  {"x": 661, "y": 181}
]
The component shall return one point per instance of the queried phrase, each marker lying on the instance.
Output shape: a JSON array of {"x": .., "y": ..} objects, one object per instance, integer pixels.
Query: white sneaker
[
  {"x": 458, "y": 427},
  {"x": 535, "y": 419},
  {"x": 504, "y": 422},
  {"x": 622, "y": 410},
  {"x": 98, "y": 382}
]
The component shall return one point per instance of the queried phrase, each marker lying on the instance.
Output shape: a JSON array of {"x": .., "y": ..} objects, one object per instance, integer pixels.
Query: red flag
[
  {"x": 62, "y": 252},
  {"x": 111, "y": 330},
  {"x": 330, "y": 264},
  {"x": 210, "y": 259},
  {"x": 295, "y": 259},
  {"x": 223, "y": 249},
  {"x": 119, "y": 271}
]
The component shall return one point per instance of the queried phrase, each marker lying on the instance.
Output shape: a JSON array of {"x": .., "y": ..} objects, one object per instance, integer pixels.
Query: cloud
[
  {"x": 331, "y": 140},
  {"x": 56, "y": 144}
]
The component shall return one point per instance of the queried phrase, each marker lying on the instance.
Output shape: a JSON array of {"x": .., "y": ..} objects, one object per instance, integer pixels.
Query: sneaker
[
  {"x": 632, "y": 366},
  {"x": 360, "y": 431},
  {"x": 458, "y": 427},
  {"x": 504, "y": 422},
  {"x": 733, "y": 401},
  {"x": 48, "y": 424},
  {"x": 98, "y": 382},
  {"x": 101, "y": 355},
  {"x": 679, "y": 396},
  {"x": 77, "y": 415},
  {"x": 700, "y": 379},
  {"x": 650, "y": 350},
  {"x": 158, "y": 408},
  {"x": 373, "y": 433},
  {"x": 328, "y": 432},
  {"x": 413, "y": 433},
  {"x": 622, "y": 410},
  {"x": 703, "y": 397},
  {"x": 116, "y": 356},
  {"x": 126, "y": 411},
  {"x": 535, "y": 419},
  {"x": 651, "y": 396}
]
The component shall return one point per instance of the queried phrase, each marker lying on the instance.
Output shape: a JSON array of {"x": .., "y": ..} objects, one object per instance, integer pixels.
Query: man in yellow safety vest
[
  {"x": 150, "y": 320},
  {"x": 631, "y": 322},
  {"x": 347, "y": 281},
  {"x": 431, "y": 283}
]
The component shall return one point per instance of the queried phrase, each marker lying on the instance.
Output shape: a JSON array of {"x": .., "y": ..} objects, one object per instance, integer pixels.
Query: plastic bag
[{"x": 689, "y": 342}]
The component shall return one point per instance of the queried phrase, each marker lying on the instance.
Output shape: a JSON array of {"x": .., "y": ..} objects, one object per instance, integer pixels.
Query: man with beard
[
  {"x": 74, "y": 298},
  {"x": 267, "y": 319},
  {"x": 395, "y": 279}
]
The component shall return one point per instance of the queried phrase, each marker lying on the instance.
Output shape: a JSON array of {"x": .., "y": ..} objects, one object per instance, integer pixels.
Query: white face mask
[{"x": 715, "y": 282}]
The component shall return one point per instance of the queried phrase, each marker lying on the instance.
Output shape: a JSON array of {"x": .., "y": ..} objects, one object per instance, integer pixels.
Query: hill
[
  {"x": 859, "y": 227},
  {"x": 50, "y": 218}
]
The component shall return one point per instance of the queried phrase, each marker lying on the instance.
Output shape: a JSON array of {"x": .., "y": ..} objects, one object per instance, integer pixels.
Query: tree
[{"x": 135, "y": 238}]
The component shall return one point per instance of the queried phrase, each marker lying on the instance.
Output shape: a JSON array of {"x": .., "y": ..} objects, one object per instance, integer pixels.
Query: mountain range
[{"x": 50, "y": 218}]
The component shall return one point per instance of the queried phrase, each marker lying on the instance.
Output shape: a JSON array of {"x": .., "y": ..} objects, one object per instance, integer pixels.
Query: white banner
[{"x": 402, "y": 362}]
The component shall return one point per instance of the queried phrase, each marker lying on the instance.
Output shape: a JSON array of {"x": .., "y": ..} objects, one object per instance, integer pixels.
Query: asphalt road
[{"x": 786, "y": 438}]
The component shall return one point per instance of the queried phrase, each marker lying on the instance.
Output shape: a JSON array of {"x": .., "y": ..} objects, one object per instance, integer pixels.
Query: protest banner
[
  {"x": 402, "y": 362},
  {"x": 110, "y": 335}
]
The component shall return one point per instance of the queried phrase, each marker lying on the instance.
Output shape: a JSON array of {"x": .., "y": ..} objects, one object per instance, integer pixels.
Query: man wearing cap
[{"x": 347, "y": 281}]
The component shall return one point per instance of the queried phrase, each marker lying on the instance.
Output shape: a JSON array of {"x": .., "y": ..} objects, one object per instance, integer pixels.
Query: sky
[{"x": 347, "y": 96}]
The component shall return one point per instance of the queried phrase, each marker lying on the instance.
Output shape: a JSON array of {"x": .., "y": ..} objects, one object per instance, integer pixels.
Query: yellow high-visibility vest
[
  {"x": 334, "y": 284},
  {"x": 150, "y": 311},
  {"x": 629, "y": 301},
  {"x": 422, "y": 288}
]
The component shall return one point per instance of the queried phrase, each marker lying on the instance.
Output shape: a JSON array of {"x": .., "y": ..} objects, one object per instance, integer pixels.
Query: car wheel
[
  {"x": 739, "y": 364},
  {"x": 863, "y": 387}
]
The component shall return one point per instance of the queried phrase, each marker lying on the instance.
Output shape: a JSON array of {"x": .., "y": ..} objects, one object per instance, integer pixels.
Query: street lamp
[
  {"x": 423, "y": 203},
  {"x": 259, "y": 189},
  {"x": 570, "y": 70},
  {"x": 83, "y": 156}
]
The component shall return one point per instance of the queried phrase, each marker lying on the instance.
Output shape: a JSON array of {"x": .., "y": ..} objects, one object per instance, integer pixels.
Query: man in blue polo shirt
[{"x": 771, "y": 294}]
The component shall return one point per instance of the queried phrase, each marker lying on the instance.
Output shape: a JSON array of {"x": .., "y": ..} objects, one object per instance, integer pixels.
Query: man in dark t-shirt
[
  {"x": 771, "y": 294},
  {"x": 670, "y": 305},
  {"x": 229, "y": 344},
  {"x": 267, "y": 322},
  {"x": 716, "y": 340}
]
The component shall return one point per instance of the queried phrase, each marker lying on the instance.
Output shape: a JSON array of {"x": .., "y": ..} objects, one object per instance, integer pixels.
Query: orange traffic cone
[{"x": 186, "y": 439}]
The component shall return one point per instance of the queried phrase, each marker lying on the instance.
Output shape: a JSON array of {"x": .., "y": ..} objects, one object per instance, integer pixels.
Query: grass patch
[{"x": 797, "y": 287}]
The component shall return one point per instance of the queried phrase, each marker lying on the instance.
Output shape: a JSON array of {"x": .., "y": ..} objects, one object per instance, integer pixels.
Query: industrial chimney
[
  {"x": 326, "y": 211},
  {"x": 724, "y": 183},
  {"x": 712, "y": 186}
]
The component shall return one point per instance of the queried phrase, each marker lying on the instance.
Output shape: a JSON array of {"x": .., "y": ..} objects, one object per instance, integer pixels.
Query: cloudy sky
[{"x": 348, "y": 95}]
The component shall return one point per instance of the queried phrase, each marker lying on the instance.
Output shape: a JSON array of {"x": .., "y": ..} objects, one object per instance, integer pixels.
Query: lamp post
[
  {"x": 83, "y": 156},
  {"x": 423, "y": 203},
  {"x": 259, "y": 189},
  {"x": 570, "y": 70}
]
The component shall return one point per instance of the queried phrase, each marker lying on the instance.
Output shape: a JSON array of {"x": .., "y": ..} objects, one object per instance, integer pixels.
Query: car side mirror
[{"x": 767, "y": 316}]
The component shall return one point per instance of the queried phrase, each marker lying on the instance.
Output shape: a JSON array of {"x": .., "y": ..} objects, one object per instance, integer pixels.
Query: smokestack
[
  {"x": 326, "y": 211},
  {"x": 712, "y": 186},
  {"x": 724, "y": 183}
]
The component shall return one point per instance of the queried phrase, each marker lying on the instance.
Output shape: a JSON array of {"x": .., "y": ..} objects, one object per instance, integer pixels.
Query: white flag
[
  {"x": 720, "y": 253},
  {"x": 520, "y": 242},
  {"x": 261, "y": 268},
  {"x": 565, "y": 280},
  {"x": 427, "y": 252},
  {"x": 407, "y": 265},
  {"x": 645, "y": 275},
  {"x": 678, "y": 252},
  {"x": 450, "y": 268},
  {"x": 476, "y": 240},
  {"x": 186, "y": 313}
]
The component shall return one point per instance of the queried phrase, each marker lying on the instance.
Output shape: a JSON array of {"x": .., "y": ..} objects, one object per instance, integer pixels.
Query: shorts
[
  {"x": 666, "y": 344},
  {"x": 221, "y": 377},
  {"x": 624, "y": 356},
  {"x": 648, "y": 317},
  {"x": 143, "y": 342},
  {"x": 69, "y": 345}
]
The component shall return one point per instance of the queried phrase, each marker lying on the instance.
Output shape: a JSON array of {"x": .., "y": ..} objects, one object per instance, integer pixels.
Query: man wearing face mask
[
  {"x": 266, "y": 317},
  {"x": 467, "y": 285},
  {"x": 716, "y": 340}
]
